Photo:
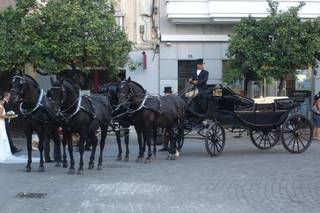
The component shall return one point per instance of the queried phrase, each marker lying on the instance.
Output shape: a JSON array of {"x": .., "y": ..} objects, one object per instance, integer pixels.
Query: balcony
[{"x": 229, "y": 11}]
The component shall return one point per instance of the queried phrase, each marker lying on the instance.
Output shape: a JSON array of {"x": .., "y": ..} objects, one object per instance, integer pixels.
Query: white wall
[{"x": 148, "y": 78}]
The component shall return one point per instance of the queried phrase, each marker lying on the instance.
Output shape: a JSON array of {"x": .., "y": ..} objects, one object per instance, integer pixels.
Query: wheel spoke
[
  {"x": 269, "y": 140},
  {"x": 304, "y": 146},
  {"x": 259, "y": 136},
  {"x": 294, "y": 144},
  {"x": 262, "y": 138},
  {"x": 290, "y": 141},
  {"x": 298, "y": 144},
  {"x": 304, "y": 138}
]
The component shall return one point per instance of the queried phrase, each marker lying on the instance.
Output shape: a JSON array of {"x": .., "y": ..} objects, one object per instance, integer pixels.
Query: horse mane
[
  {"x": 74, "y": 84},
  {"x": 33, "y": 80},
  {"x": 139, "y": 85}
]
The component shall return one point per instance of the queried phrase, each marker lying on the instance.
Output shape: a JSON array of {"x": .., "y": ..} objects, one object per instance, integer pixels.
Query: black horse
[
  {"x": 80, "y": 114},
  {"x": 36, "y": 118},
  {"x": 121, "y": 120},
  {"x": 150, "y": 112}
]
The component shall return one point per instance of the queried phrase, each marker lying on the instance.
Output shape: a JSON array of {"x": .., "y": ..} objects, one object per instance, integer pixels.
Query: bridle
[
  {"x": 19, "y": 93},
  {"x": 64, "y": 113}
]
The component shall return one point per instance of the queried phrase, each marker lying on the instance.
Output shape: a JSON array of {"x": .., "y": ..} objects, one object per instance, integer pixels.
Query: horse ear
[
  {"x": 51, "y": 80},
  {"x": 17, "y": 73},
  {"x": 129, "y": 79}
]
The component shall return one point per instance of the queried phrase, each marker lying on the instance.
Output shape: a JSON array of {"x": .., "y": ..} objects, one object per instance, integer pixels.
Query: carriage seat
[
  {"x": 274, "y": 103},
  {"x": 238, "y": 102},
  {"x": 268, "y": 100}
]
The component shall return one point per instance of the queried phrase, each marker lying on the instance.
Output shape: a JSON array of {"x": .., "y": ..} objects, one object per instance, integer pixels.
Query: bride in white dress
[{"x": 5, "y": 152}]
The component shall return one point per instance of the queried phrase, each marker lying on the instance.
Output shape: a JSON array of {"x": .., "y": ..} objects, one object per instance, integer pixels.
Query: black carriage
[{"x": 267, "y": 123}]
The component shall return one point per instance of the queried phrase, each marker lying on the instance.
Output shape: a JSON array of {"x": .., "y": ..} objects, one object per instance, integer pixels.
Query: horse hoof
[
  {"x": 27, "y": 169},
  {"x": 139, "y": 160},
  {"x": 80, "y": 172},
  {"x": 58, "y": 164},
  {"x": 100, "y": 167},
  {"x": 119, "y": 158},
  {"x": 154, "y": 156},
  {"x": 71, "y": 171},
  {"x": 65, "y": 164},
  {"x": 91, "y": 166},
  {"x": 169, "y": 157},
  {"x": 41, "y": 169},
  {"x": 126, "y": 159}
]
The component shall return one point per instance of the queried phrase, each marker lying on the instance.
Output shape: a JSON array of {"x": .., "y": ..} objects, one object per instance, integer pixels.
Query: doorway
[{"x": 185, "y": 68}]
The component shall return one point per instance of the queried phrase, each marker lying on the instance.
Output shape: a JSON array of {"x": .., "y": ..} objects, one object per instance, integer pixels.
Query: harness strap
[{"x": 26, "y": 112}]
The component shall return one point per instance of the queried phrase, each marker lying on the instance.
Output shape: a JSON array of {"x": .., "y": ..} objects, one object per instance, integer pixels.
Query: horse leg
[
  {"x": 64, "y": 145},
  {"x": 172, "y": 148},
  {"x": 119, "y": 157},
  {"x": 126, "y": 140},
  {"x": 148, "y": 135},
  {"x": 46, "y": 147},
  {"x": 83, "y": 135},
  {"x": 70, "y": 149},
  {"x": 57, "y": 148},
  {"x": 102, "y": 143},
  {"x": 41, "y": 136},
  {"x": 94, "y": 141},
  {"x": 139, "y": 136},
  {"x": 28, "y": 134},
  {"x": 154, "y": 134}
]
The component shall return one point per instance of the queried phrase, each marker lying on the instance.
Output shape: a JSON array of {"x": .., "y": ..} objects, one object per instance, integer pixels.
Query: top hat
[
  {"x": 167, "y": 90},
  {"x": 200, "y": 61}
]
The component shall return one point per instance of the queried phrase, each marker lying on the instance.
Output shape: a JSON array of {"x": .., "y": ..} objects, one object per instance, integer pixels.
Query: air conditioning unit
[{"x": 145, "y": 7}]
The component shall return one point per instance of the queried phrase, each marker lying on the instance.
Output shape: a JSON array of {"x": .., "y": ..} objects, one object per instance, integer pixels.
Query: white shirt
[{"x": 198, "y": 72}]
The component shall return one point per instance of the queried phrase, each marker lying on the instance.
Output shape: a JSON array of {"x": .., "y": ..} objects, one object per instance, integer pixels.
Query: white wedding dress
[{"x": 5, "y": 152}]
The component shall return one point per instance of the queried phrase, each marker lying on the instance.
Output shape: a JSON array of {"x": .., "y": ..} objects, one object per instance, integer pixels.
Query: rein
[{"x": 142, "y": 106}]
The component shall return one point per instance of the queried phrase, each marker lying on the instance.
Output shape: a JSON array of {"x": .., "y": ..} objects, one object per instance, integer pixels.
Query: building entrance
[{"x": 185, "y": 68}]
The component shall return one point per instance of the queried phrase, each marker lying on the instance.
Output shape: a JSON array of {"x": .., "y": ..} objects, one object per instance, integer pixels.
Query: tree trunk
[
  {"x": 280, "y": 88},
  {"x": 245, "y": 89}
]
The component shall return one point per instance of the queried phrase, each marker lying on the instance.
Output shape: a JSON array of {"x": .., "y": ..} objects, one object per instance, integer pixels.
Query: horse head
[
  {"x": 55, "y": 99},
  {"x": 61, "y": 96},
  {"x": 18, "y": 84},
  {"x": 131, "y": 92}
]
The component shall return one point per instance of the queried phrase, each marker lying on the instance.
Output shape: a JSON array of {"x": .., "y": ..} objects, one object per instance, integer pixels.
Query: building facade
[
  {"x": 139, "y": 19},
  {"x": 192, "y": 29}
]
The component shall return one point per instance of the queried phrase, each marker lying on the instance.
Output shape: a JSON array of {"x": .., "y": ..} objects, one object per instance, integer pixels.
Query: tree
[
  {"x": 15, "y": 49},
  {"x": 275, "y": 46},
  {"x": 76, "y": 34}
]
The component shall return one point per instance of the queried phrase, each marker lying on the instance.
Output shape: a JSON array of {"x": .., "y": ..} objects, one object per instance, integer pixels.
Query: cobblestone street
[{"x": 242, "y": 179}]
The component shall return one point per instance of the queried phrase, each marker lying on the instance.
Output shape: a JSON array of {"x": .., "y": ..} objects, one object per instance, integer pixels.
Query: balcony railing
[{"x": 230, "y": 11}]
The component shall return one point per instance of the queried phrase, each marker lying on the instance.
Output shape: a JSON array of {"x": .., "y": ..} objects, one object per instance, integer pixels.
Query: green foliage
[
  {"x": 275, "y": 46},
  {"x": 77, "y": 34},
  {"x": 15, "y": 49}
]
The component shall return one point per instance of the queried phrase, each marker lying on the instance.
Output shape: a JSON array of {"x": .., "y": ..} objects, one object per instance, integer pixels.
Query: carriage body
[
  {"x": 267, "y": 123},
  {"x": 237, "y": 110}
]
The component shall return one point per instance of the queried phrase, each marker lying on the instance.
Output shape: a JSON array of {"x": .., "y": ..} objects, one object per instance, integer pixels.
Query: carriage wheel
[
  {"x": 178, "y": 137},
  {"x": 297, "y": 134},
  {"x": 265, "y": 139},
  {"x": 215, "y": 139}
]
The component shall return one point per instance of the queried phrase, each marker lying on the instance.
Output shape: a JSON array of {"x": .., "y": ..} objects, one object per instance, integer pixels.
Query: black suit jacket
[
  {"x": 202, "y": 79},
  {"x": 6, "y": 106}
]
